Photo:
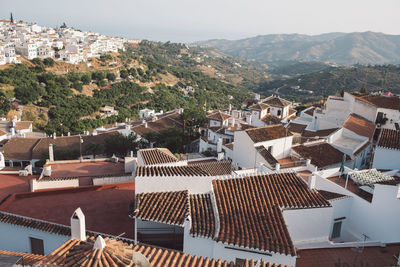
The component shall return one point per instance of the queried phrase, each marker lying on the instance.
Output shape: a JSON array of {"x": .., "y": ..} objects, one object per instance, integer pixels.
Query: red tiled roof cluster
[
  {"x": 26, "y": 258},
  {"x": 202, "y": 214},
  {"x": 166, "y": 207},
  {"x": 117, "y": 253},
  {"x": 321, "y": 154},
  {"x": 152, "y": 156},
  {"x": 267, "y": 133},
  {"x": 249, "y": 209},
  {"x": 389, "y": 139},
  {"x": 360, "y": 126},
  {"x": 218, "y": 116}
]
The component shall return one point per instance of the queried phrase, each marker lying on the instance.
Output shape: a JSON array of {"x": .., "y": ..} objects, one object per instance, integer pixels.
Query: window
[
  {"x": 279, "y": 112},
  {"x": 37, "y": 246},
  {"x": 337, "y": 227}
]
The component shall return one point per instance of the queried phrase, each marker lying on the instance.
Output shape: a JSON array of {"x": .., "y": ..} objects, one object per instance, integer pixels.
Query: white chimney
[
  {"x": 47, "y": 170},
  {"x": 94, "y": 132},
  {"x": 78, "y": 227},
  {"x": 2, "y": 161},
  {"x": 219, "y": 145},
  {"x": 311, "y": 181},
  {"x": 51, "y": 152},
  {"x": 68, "y": 134},
  {"x": 12, "y": 131},
  {"x": 54, "y": 135},
  {"x": 145, "y": 125},
  {"x": 99, "y": 243},
  {"x": 233, "y": 122},
  {"x": 230, "y": 108}
]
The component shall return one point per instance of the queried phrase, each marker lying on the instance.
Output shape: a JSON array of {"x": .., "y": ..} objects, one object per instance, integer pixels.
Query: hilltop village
[{"x": 263, "y": 185}]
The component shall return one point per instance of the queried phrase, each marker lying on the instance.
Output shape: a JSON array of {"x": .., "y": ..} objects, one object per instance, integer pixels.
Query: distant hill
[
  {"x": 339, "y": 48},
  {"x": 320, "y": 84}
]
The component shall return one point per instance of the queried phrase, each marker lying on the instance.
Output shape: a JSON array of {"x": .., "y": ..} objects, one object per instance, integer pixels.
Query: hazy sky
[{"x": 190, "y": 20}]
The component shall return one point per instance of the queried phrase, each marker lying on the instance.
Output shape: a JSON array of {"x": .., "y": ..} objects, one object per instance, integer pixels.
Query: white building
[
  {"x": 263, "y": 145},
  {"x": 387, "y": 151},
  {"x": 27, "y": 50}
]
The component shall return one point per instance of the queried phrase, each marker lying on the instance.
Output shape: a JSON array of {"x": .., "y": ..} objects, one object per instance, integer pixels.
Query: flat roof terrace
[
  {"x": 106, "y": 207},
  {"x": 12, "y": 183}
]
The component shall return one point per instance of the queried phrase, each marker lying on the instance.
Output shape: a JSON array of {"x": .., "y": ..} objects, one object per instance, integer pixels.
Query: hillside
[
  {"x": 317, "y": 85},
  {"x": 160, "y": 76},
  {"x": 339, "y": 48}
]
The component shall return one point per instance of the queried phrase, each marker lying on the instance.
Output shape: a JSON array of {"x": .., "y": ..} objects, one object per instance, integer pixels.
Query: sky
[{"x": 194, "y": 20}]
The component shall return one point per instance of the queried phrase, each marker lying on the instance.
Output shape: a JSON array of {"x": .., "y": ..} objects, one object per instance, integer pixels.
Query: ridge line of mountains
[{"x": 334, "y": 48}]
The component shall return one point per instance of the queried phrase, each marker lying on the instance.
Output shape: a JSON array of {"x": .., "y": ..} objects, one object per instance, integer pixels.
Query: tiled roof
[
  {"x": 189, "y": 170},
  {"x": 276, "y": 101},
  {"x": 389, "y": 139},
  {"x": 165, "y": 207},
  {"x": 271, "y": 119},
  {"x": 249, "y": 209},
  {"x": 320, "y": 133},
  {"x": 26, "y": 258},
  {"x": 230, "y": 145},
  {"x": 249, "y": 101},
  {"x": 119, "y": 254},
  {"x": 170, "y": 120},
  {"x": 216, "y": 168},
  {"x": 19, "y": 148},
  {"x": 218, "y": 116},
  {"x": 267, "y": 133},
  {"x": 259, "y": 106},
  {"x": 360, "y": 126},
  {"x": 152, "y": 156},
  {"x": 34, "y": 223},
  {"x": 296, "y": 128},
  {"x": 310, "y": 111},
  {"x": 328, "y": 195},
  {"x": 267, "y": 155},
  {"x": 22, "y": 125},
  {"x": 321, "y": 154},
  {"x": 380, "y": 101},
  {"x": 2, "y": 133},
  {"x": 202, "y": 214}
]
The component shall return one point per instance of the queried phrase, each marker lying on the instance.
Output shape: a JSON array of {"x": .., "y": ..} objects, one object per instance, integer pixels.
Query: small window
[
  {"x": 337, "y": 227},
  {"x": 37, "y": 246},
  {"x": 279, "y": 112}
]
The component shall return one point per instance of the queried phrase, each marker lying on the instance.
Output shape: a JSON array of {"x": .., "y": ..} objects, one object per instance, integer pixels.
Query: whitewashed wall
[
  {"x": 385, "y": 158},
  {"x": 16, "y": 238},
  {"x": 51, "y": 184},
  {"x": 113, "y": 180}
]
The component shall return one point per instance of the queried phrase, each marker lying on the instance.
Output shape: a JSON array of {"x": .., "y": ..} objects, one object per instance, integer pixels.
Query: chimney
[
  {"x": 51, "y": 152},
  {"x": 311, "y": 181},
  {"x": 145, "y": 125},
  {"x": 219, "y": 145},
  {"x": 230, "y": 108},
  {"x": 78, "y": 227},
  {"x": 54, "y": 135},
  {"x": 99, "y": 243},
  {"x": 68, "y": 134},
  {"x": 12, "y": 131},
  {"x": 47, "y": 170},
  {"x": 2, "y": 161},
  {"x": 233, "y": 122}
]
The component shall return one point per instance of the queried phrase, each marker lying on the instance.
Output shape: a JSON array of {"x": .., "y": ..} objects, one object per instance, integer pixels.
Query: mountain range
[{"x": 336, "y": 48}]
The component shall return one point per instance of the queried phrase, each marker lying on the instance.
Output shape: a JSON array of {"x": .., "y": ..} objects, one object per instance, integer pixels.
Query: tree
[
  {"x": 85, "y": 78},
  {"x": 193, "y": 118},
  {"x": 63, "y": 26},
  {"x": 95, "y": 149},
  {"x": 363, "y": 89},
  {"x": 48, "y": 61},
  {"x": 111, "y": 76},
  {"x": 342, "y": 92},
  {"x": 11, "y": 18},
  {"x": 123, "y": 74},
  {"x": 4, "y": 105}
]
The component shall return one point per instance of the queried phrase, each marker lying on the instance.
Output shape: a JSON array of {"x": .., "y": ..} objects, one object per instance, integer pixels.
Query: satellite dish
[{"x": 140, "y": 260}]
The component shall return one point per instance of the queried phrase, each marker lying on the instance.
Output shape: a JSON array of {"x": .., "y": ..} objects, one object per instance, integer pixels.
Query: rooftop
[
  {"x": 86, "y": 169},
  {"x": 105, "y": 207},
  {"x": 388, "y": 102},
  {"x": 249, "y": 217},
  {"x": 168, "y": 120},
  {"x": 389, "y": 139},
  {"x": 12, "y": 183},
  {"x": 276, "y": 101},
  {"x": 23, "y": 258},
  {"x": 296, "y": 127},
  {"x": 202, "y": 214},
  {"x": 153, "y": 156},
  {"x": 22, "y": 125},
  {"x": 321, "y": 154},
  {"x": 360, "y": 126},
  {"x": 367, "y": 256},
  {"x": 218, "y": 116},
  {"x": 266, "y": 133}
]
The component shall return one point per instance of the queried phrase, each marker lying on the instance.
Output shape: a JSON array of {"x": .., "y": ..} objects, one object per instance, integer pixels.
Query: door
[
  {"x": 337, "y": 227},
  {"x": 37, "y": 246}
]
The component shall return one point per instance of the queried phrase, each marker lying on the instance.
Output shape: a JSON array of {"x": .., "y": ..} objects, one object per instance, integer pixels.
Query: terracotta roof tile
[
  {"x": 2, "y": 133},
  {"x": 170, "y": 120},
  {"x": 26, "y": 258},
  {"x": 320, "y": 133},
  {"x": 321, "y": 154},
  {"x": 118, "y": 253},
  {"x": 360, "y": 126},
  {"x": 267, "y": 155},
  {"x": 202, "y": 214},
  {"x": 218, "y": 116},
  {"x": 267, "y": 133},
  {"x": 22, "y": 125},
  {"x": 216, "y": 168},
  {"x": 328, "y": 195},
  {"x": 296, "y": 128},
  {"x": 380, "y": 101},
  {"x": 165, "y": 207},
  {"x": 249, "y": 209},
  {"x": 189, "y": 170},
  {"x": 276, "y": 101},
  {"x": 230, "y": 145},
  {"x": 19, "y": 148},
  {"x": 271, "y": 119},
  {"x": 152, "y": 156},
  {"x": 310, "y": 111},
  {"x": 389, "y": 139},
  {"x": 259, "y": 106}
]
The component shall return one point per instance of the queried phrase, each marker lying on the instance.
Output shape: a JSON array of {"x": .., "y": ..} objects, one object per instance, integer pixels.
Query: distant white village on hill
[{"x": 30, "y": 41}]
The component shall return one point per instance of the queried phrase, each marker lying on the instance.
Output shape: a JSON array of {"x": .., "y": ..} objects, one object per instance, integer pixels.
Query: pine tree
[
  {"x": 11, "y": 18},
  {"x": 363, "y": 90}
]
